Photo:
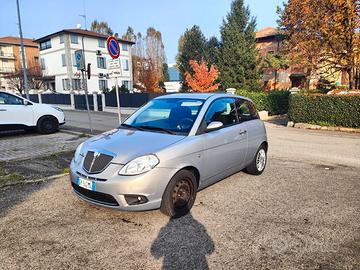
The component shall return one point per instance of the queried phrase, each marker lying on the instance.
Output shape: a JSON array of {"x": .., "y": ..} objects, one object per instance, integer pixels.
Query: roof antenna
[{"x": 84, "y": 14}]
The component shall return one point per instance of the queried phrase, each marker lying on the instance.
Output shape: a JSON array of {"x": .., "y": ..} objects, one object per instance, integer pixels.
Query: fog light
[{"x": 135, "y": 199}]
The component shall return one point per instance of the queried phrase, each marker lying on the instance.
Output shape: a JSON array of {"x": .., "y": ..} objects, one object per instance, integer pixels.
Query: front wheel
[
  {"x": 179, "y": 195},
  {"x": 47, "y": 125},
  {"x": 258, "y": 164}
]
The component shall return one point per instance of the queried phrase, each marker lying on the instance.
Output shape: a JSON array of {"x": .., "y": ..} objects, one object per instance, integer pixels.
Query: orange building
[{"x": 11, "y": 59}]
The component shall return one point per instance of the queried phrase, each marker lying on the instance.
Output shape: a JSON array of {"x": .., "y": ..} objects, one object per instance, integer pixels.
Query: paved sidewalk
[{"x": 33, "y": 145}]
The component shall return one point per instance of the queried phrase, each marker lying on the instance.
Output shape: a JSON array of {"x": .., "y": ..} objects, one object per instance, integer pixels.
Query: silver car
[{"x": 169, "y": 149}]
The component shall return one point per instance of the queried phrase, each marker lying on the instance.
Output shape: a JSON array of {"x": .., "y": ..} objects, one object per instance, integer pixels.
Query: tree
[
  {"x": 34, "y": 77},
  {"x": 239, "y": 56},
  {"x": 148, "y": 58},
  {"x": 322, "y": 36},
  {"x": 276, "y": 62},
  {"x": 203, "y": 78},
  {"x": 191, "y": 47},
  {"x": 165, "y": 75},
  {"x": 101, "y": 27},
  {"x": 130, "y": 34},
  {"x": 212, "y": 50}
]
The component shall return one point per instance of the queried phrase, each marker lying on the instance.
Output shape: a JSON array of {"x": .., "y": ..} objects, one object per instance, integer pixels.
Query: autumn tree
[
  {"x": 322, "y": 36},
  {"x": 101, "y": 27},
  {"x": 148, "y": 58},
  {"x": 239, "y": 57},
  {"x": 203, "y": 78}
]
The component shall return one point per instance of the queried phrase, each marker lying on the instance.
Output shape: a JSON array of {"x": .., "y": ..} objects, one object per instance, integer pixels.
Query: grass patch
[
  {"x": 66, "y": 170},
  {"x": 7, "y": 178}
]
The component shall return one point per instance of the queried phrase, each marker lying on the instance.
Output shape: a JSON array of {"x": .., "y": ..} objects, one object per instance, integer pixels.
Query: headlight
[
  {"x": 77, "y": 153},
  {"x": 140, "y": 165},
  {"x": 58, "y": 109}
]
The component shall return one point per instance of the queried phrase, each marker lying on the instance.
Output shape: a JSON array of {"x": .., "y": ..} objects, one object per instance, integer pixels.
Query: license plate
[{"x": 87, "y": 184}]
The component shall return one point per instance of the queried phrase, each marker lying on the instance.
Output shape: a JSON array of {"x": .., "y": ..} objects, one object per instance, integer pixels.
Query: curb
[
  {"x": 35, "y": 181},
  {"x": 318, "y": 127},
  {"x": 72, "y": 132}
]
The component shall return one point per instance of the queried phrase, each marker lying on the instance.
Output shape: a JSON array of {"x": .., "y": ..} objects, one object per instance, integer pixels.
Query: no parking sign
[{"x": 113, "y": 47}]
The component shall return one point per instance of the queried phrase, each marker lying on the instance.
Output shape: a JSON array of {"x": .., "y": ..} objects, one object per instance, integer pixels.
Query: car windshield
[{"x": 168, "y": 115}]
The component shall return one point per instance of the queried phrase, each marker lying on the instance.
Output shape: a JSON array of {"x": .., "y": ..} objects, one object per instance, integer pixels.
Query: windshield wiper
[
  {"x": 130, "y": 126},
  {"x": 155, "y": 128}
]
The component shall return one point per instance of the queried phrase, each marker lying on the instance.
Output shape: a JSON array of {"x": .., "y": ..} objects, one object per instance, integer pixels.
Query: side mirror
[{"x": 214, "y": 125}]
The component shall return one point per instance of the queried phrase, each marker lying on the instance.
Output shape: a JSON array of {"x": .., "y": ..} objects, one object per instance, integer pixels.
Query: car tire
[
  {"x": 47, "y": 125},
  {"x": 258, "y": 164},
  {"x": 179, "y": 195}
]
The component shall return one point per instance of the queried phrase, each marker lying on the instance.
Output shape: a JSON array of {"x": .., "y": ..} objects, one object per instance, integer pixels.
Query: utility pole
[
  {"x": 22, "y": 53},
  {"x": 85, "y": 84}
]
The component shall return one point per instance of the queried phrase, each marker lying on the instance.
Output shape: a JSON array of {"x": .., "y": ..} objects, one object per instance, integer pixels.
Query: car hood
[{"x": 127, "y": 144}]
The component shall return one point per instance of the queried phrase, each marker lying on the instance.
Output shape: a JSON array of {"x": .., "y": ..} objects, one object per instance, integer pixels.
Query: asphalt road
[{"x": 303, "y": 212}]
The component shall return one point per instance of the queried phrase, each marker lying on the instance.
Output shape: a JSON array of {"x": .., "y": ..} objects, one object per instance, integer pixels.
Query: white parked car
[{"x": 17, "y": 112}]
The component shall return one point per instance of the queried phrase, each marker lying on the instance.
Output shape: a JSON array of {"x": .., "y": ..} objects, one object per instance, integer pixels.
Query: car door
[
  {"x": 13, "y": 111},
  {"x": 249, "y": 118},
  {"x": 223, "y": 148}
]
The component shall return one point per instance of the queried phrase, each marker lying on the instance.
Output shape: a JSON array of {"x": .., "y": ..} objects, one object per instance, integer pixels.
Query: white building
[
  {"x": 57, "y": 60},
  {"x": 174, "y": 83}
]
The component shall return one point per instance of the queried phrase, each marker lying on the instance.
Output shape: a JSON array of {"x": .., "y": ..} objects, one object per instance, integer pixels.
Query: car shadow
[{"x": 183, "y": 243}]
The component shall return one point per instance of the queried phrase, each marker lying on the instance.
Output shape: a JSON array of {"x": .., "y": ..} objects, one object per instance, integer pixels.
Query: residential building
[
  {"x": 11, "y": 57},
  {"x": 57, "y": 59},
  {"x": 174, "y": 83},
  {"x": 269, "y": 40}
]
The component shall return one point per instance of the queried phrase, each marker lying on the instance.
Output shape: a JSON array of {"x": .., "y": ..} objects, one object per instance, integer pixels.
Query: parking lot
[{"x": 302, "y": 213}]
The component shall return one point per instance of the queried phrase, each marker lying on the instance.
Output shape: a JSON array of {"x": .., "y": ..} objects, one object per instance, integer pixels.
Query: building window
[
  {"x": 45, "y": 45},
  {"x": 125, "y": 64},
  {"x": 76, "y": 84},
  {"x": 101, "y": 62},
  {"x": 66, "y": 84},
  {"x": 36, "y": 58},
  {"x": 103, "y": 84},
  {"x": 73, "y": 59},
  {"x": 124, "y": 47},
  {"x": 126, "y": 84},
  {"x": 42, "y": 63},
  {"x": 61, "y": 39},
  {"x": 74, "y": 39},
  {"x": 101, "y": 43},
  {"x": 63, "y": 60}
]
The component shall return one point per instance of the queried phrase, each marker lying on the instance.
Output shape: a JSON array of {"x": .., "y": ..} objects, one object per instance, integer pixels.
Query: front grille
[
  {"x": 95, "y": 196},
  {"x": 90, "y": 177},
  {"x": 96, "y": 163}
]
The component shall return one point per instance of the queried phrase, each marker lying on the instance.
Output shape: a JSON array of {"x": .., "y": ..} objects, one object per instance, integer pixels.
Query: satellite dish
[{"x": 78, "y": 26}]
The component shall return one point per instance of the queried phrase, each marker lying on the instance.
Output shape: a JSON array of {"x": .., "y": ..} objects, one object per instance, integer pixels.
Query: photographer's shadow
[{"x": 183, "y": 243}]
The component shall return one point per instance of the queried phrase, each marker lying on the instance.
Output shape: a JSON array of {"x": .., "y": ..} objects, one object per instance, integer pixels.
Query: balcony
[
  {"x": 4, "y": 55},
  {"x": 7, "y": 69}
]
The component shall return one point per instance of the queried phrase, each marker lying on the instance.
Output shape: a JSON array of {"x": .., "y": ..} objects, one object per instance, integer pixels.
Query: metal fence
[{"x": 127, "y": 100}]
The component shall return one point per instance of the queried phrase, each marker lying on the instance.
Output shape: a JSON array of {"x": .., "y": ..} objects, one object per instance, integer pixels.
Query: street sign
[
  {"x": 114, "y": 64},
  {"x": 113, "y": 47},
  {"x": 79, "y": 59}
]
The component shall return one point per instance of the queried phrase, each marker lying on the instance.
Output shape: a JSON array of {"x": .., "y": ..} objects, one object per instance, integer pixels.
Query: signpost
[{"x": 114, "y": 67}]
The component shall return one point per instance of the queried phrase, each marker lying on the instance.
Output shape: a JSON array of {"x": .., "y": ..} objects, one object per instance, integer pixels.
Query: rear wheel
[
  {"x": 179, "y": 195},
  {"x": 47, "y": 125},
  {"x": 258, "y": 164}
]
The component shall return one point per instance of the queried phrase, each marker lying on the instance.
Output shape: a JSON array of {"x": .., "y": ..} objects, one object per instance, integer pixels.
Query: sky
[{"x": 170, "y": 17}]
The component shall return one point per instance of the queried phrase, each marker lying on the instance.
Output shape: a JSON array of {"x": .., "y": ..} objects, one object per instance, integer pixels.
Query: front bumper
[{"x": 111, "y": 193}]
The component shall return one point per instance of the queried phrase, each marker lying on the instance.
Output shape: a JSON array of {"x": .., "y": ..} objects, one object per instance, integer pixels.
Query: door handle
[
  {"x": 242, "y": 132},
  {"x": 2, "y": 110}
]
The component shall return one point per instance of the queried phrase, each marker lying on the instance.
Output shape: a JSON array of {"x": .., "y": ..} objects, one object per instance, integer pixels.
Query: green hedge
[
  {"x": 332, "y": 110},
  {"x": 275, "y": 102}
]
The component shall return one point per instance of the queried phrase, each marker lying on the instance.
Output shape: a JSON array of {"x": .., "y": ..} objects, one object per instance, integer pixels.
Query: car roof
[{"x": 203, "y": 96}]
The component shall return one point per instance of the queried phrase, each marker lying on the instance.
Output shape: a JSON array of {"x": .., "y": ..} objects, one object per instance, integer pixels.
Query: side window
[
  {"x": 8, "y": 99},
  {"x": 246, "y": 110},
  {"x": 222, "y": 110}
]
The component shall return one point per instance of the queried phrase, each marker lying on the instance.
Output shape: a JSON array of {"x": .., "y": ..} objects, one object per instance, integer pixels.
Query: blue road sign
[{"x": 79, "y": 59}]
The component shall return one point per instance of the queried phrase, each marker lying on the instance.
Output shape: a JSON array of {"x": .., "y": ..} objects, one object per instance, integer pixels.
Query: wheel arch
[
  {"x": 47, "y": 116},
  {"x": 193, "y": 170}
]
